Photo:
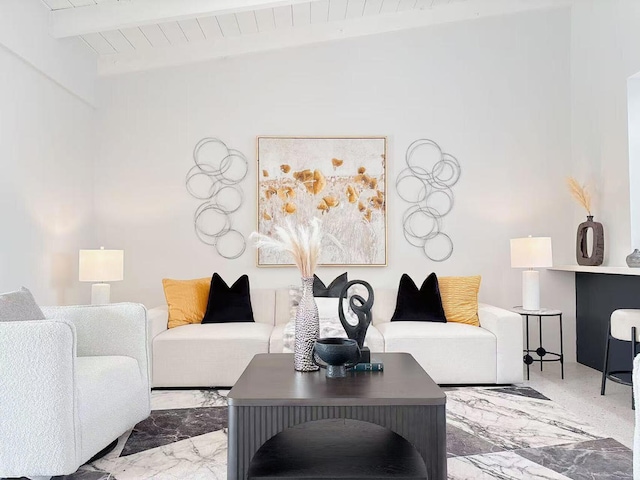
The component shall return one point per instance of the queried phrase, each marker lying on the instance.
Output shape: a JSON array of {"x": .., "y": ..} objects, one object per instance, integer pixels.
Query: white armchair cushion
[{"x": 109, "y": 392}]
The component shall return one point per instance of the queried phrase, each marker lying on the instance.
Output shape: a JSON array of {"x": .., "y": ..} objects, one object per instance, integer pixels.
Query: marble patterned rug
[{"x": 492, "y": 432}]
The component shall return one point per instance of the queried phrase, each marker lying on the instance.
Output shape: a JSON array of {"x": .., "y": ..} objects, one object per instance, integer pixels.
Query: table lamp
[
  {"x": 101, "y": 266},
  {"x": 530, "y": 253}
]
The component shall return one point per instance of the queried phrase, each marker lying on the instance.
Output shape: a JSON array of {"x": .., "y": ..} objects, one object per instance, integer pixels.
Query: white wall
[
  {"x": 493, "y": 92},
  {"x": 24, "y": 29},
  {"x": 634, "y": 158},
  {"x": 605, "y": 52},
  {"x": 46, "y": 181}
]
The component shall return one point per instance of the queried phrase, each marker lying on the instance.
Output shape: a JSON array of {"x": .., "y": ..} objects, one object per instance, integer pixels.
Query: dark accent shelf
[
  {"x": 597, "y": 296},
  {"x": 337, "y": 449}
]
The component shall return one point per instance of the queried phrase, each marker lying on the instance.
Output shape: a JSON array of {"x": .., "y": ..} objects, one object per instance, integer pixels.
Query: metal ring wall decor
[
  {"x": 219, "y": 182},
  {"x": 431, "y": 184}
]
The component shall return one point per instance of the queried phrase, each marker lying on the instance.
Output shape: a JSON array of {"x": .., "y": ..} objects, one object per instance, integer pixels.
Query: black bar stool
[{"x": 623, "y": 325}]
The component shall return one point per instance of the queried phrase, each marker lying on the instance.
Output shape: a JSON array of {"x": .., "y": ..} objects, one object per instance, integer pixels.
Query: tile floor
[{"x": 579, "y": 393}]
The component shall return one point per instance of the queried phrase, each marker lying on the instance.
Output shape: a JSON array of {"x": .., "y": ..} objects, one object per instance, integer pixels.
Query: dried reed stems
[{"x": 580, "y": 193}]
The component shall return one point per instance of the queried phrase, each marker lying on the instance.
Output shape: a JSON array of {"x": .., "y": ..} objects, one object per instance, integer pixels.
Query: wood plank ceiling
[{"x": 230, "y": 25}]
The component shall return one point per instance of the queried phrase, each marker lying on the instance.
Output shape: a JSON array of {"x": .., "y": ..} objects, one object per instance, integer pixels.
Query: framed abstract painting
[{"x": 340, "y": 180}]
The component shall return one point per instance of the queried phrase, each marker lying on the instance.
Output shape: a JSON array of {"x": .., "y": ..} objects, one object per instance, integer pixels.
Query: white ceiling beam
[
  {"x": 105, "y": 16},
  {"x": 316, "y": 33}
]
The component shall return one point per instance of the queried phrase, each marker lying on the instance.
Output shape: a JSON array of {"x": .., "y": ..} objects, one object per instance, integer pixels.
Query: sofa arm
[
  {"x": 158, "y": 321},
  {"x": 507, "y": 327},
  {"x": 115, "y": 329},
  {"x": 39, "y": 427}
]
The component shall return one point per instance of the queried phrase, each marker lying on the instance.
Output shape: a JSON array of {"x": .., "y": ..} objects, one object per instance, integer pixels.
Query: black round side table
[{"x": 540, "y": 351}]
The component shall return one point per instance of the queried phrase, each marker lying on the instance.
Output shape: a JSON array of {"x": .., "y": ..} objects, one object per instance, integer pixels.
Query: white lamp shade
[
  {"x": 531, "y": 252},
  {"x": 101, "y": 265}
]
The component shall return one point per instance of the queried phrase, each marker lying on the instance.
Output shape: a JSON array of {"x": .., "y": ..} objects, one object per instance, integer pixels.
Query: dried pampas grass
[
  {"x": 580, "y": 193},
  {"x": 303, "y": 242}
]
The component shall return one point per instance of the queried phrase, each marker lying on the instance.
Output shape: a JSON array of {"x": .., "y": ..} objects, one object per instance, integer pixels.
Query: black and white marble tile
[
  {"x": 602, "y": 459},
  {"x": 492, "y": 432},
  {"x": 513, "y": 421},
  {"x": 462, "y": 444},
  {"x": 503, "y": 466},
  {"x": 169, "y": 426},
  {"x": 520, "y": 392},
  {"x": 202, "y": 457},
  {"x": 174, "y": 399}
]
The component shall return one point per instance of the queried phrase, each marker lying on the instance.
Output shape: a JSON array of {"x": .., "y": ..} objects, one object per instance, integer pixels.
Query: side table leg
[
  {"x": 561, "y": 350},
  {"x": 527, "y": 352},
  {"x": 540, "y": 327}
]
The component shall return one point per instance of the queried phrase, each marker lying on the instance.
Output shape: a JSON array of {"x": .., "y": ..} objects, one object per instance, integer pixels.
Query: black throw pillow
[
  {"x": 228, "y": 304},
  {"x": 424, "y": 305},
  {"x": 334, "y": 288}
]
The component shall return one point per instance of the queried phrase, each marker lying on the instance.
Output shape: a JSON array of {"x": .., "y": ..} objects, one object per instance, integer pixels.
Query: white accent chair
[
  {"x": 70, "y": 385},
  {"x": 624, "y": 325}
]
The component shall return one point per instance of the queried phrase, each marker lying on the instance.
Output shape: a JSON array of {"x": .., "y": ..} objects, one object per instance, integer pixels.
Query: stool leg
[
  {"x": 606, "y": 360},
  {"x": 633, "y": 356},
  {"x": 561, "y": 350}
]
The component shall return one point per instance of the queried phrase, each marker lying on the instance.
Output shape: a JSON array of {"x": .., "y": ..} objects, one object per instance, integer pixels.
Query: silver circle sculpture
[
  {"x": 427, "y": 184},
  {"x": 215, "y": 180}
]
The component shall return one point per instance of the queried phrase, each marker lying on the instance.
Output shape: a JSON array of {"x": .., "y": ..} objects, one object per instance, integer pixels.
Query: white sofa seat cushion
[
  {"x": 449, "y": 352},
  {"x": 278, "y": 344},
  {"x": 209, "y": 355},
  {"x": 109, "y": 389}
]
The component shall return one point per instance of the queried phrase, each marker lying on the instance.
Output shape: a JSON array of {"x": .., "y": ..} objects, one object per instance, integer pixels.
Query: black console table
[{"x": 600, "y": 291}]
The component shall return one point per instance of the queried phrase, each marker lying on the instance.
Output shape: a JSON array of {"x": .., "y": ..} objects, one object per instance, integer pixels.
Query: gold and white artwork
[{"x": 341, "y": 181}]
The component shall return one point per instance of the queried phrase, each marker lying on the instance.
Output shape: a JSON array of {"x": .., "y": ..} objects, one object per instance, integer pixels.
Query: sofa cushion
[
  {"x": 186, "y": 300},
  {"x": 207, "y": 355},
  {"x": 460, "y": 298},
  {"x": 109, "y": 388},
  {"x": 423, "y": 305},
  {"x": 449, "y": 352},
  {"x": 334, "y": 288},
  {"x": 278, "y": 344},
  {"x": 229, "y": 303},
  {"x": 19, "y": 305}
]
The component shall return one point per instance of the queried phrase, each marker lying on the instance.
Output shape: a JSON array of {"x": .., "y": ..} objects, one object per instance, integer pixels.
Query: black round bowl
[{"x": 337, "y": 351}]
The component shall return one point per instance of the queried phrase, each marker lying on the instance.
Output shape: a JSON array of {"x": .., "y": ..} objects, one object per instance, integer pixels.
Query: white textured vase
[{"x": 307, "y": 328}]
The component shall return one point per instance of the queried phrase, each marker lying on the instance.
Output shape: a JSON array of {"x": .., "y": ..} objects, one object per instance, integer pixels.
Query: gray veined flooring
[
  {"x": 546, "y": 428},
  {"x": 579, "y": 393}
]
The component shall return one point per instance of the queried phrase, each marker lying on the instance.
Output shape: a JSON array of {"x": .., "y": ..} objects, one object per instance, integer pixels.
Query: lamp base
[
  {"x": 100, "y": 293},
  {"x": 531, "y": 290}
]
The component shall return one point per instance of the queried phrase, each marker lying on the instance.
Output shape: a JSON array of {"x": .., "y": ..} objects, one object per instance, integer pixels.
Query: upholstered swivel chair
[{"x": 70, "y": 385}]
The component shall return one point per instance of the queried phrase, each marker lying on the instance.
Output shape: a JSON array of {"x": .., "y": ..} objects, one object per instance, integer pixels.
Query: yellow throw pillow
[
  {"x": 186, "y": 299},
  {"x": 460, "y": 298}
]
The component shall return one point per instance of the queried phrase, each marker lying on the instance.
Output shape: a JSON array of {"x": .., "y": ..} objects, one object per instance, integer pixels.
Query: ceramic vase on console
[
  {"x": 307, "y": 328},
  {"x": 633, "y": 259},
  {"x": 596, "y": 257}
]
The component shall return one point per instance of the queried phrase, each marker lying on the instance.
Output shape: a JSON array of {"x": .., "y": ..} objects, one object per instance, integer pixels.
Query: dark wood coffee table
[{"x": 270, "y": 397}]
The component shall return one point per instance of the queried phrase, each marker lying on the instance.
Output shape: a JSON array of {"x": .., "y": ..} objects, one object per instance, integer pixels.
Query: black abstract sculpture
[{"x": 362, "y": 309}]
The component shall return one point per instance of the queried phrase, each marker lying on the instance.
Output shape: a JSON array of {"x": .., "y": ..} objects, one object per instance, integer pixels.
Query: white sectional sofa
[{"x": 451, "y": 353}]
